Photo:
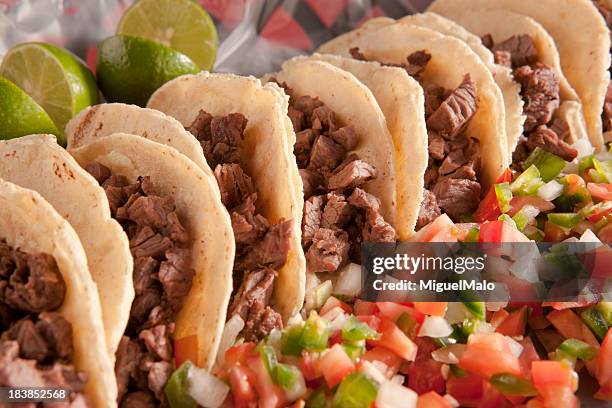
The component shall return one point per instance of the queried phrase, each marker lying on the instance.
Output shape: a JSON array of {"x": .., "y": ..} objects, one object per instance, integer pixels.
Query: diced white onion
[
  {"x": 449, "y": 354},
  {"x": 435, "y": 326},
  {"x": 584, "y": 147},
  {"x": 515, "y": 346},
  {"x": 338, "y": 321},
  {"x": 316, "y": 297},
  {"x": 589, "y": 236},
  {"x": 371, "y": 370},
  {"x": 444, "y": 370},
  {"x": 298, "y": 390},
  {"x": 398, "y": 379},
  {"x": 452, "y": 401},
  {"x": 550, "y": 190},
  {"x": 206, "y": 389},
  {"x": 456, "y": 312},
  {"x": 232, "y": 329},
  {"x": 484, "y": 328},
  {"x": 392, "y": 395},
  {"x": 349, "y": 280}
]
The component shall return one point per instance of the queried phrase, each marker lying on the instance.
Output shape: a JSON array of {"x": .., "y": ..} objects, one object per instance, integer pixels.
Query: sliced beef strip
[
  {"x": 540, "y": 90},
  {"x": 434, "y": 96},
  {"x": 351, "y": 175},
  {"x": 162, "y": 272},
  {"x": 429, "y": 210},
  {"x": 522, "y": 49},
  {"x": 453, "y": 115},
  {"x": 457, "y": 197},
  {"x": 547, "y": 139},
  {"x": 258, "y": 243},
  {"x": 313, "y": 216},
  {"x": 303, "y": 144},
  {"x": 325, "y": 154},
  {"x": 337, "y": 212}
]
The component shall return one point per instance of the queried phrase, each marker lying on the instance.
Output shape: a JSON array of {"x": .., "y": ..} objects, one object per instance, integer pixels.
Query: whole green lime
[
  {"x": 130, "y": 69},
  {"x": 55, "y": 78},
  {"x": 20, "y": 115}
]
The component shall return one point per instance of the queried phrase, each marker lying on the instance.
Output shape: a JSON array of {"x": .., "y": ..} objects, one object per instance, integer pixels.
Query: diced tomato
[
  {"x": 601, "y": 191},
  {"x": 559, "y": 397},
  {"x": 605, "y": 234},
  {"x": 571, "y": 327},
  {"x": 491, "y": 397},
  {"x": 269, "y": 394},
  {"x": 514, "y": 324},
  {"x": 488, "y": 354},
  {"x": 363, "y": 308},
  {"x": 566, "y": 305},
  {"x": 395, "y": 340},
  {"x": 186, "y": 349},
  {"x": 432, "y": 400},
  {"x": 574, "y": 183},
  {"x": 518, "y": 202},
  {"x": 546, "y": 373},
  {"x": 431, "y": 308},
  {"x": 393, "y": 310},
  {"x": 439, "y": 229},
  {"x": 604, "y": 368},
  {"x": 335, "y": 364},
  {"x": 372, "y": 321},
  {"x": 491, "y": 231},
  {"x": 390, "y": 359},
  {"x": 498, "y": 317},
  {"x": 332, "y": 302},
  {"x": 467, "y": 390},
  {"x": 554, "y": 233},
  {"x": 425, "y": 374},
  {"x": 528, "y": 356},
  {"x": 599, "y": 214},
  {"x": 488, "y": 210},
  {"x": 243, "y": 393},
  {"x": 309, "y": 366}
]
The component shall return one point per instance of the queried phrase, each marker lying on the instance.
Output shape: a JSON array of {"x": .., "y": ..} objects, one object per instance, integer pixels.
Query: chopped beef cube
[
  {"x": 144, "y": 270},
  {"x": 452, "y": 162},
  {"x": 158, "y": 341},
  {"x": 200, "y": 127},
  {"x": 142, "y": 306},
  {"x": 158, "y": 373},
  {"x": 431, "y": 175},
  {"x": 256, "y": 286},
  {"x": 434, "y": 96},
  {"x": 307, "y": 105},
  {"x": 271, "y": 251},
  {"x": 227, "y": 133},
  {"x": 100, "y": 172},
  {"x": 561, "y": 128},
  {"x": 260, "y": 321},
  {"x": 546, "y": 139},
  {"x": 297, "y": 119},
  {"x": 248, "y": 226},
  {"x": 176, "y": 275},
  {"x": 65, "y": 376},
  {"x": 312, "y": 182},
  {"x": 351, "y": 175},
  {"x": 520, "y": 154},
  {"x": 337, "y": 212},
  {"x": 428, "y": 211},
  {"x": 457, "y": 197},
  {"x": 35, "y": 283},
  {"x": 311, "y": 221},
  {"x": 522, "y": 49},
  {"x": 147, "y": 210},
  {"x": 303, "y": 144},
  {"x": 456, "y": 111},
  {"x": 32, "y": 344},
  {"x": 147, "y": 243},
  {"x": 16, "y": 372},
  {"x": 376, "y": 229},
  {"x": 345, "y": 136},
  {"x": 417, "y": 62},
  {"x": 325, "y": 154},
  {"x": 362, "y": 199},
  {"x": 57, "y": 333},
  {"x": 128, "y": 358},
  {"x": 464, "y": 172},
  {"x": 540, "y": 90},
  {"x": 437, "y": 146},
  {"x": 329, "y": 250},
  {"x": 503, "y": 58},
  {"x": 234, "y": 183},
  {"x": 323, "y": 119}
]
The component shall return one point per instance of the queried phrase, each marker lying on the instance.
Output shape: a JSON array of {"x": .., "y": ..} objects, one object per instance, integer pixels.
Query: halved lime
[
  {"x": 130, "y": 69},
  {"x": 180, "y": 24},
  {"x": 53, "y": 77},
  {"x": 20, "y": 115}
]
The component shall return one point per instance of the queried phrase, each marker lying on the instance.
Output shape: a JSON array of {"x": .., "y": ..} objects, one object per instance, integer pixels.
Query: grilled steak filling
[
  {"x": 36, "y": 348},
  {"x": 606, "y": 115}
]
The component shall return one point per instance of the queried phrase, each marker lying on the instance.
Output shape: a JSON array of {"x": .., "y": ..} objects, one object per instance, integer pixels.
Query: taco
[
  {"x": 464, "y": 113},
  {"x": 37, "y": 162},
  {"x": 401, "y": 100},
  {"x": 584, "y": 58},
  {"x": 51, "y": 333},
  {"x": 182, "y": 244},
  {"x": 551, "y": 116}
]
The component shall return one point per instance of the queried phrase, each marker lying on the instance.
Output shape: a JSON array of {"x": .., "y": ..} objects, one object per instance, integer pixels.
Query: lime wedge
[
  {"x": 20, "y": 115},
  {"x": 180, "y": 24},
  {"x": 53, "y": 77},
  {"x": 130, "y": 69}
]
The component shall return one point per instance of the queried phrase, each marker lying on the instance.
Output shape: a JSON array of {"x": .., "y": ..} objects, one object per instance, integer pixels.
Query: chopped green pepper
[
  {"x": 354, "y": 330},
  {"x": 565, "y": 220},
  {"x": 286, "y": 375},
  {"x": 578, "y": 349},
  {"x": 508, "y": 219},
  {"x": 470, "y": 326},
  {"x": 444, "y": 341},
  {"x": 354, "y": 350},
  {"x": 290, "y": 340},
  {"x": 595, "y": 321},
  {"x": 528, "y": 182},
  {"x": 457, "y": 371},
  {"x": 318, "y": 399},
  {"x": 504, "y": 196},
  {"x": 477, "y": 309},
  {"x": 510, "y": 384},
  {"x": 585, "y": 163},
  {"x": 356, "y": 390},
  {"x": 472, "y": 235},
  {"x": 548, "y": 164},
  {"x": 269, "y": 358},
  {"x": 315, "y": 333},
  {"x": 407, "y": 324},
  {"x": 521, "y": 220},
  {"x": 605, "y": 309},
  {"x": 604, "y": 168},
  {"x": 177, "y": 388}
]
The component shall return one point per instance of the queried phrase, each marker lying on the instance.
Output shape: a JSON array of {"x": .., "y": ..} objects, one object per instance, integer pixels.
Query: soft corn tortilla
[
  {"x": 38, "y": 163},
  {"x": 582, "y": 39},
  {"x": 30, "y": 223},
  {"x": 401, "y": 100},
  {"x": 201, "y": 212},
  {"x": 266, "y": 155},
  {"x": 393, "y": 43}
]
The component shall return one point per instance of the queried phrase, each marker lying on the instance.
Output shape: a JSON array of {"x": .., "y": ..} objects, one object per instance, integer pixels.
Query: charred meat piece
[
  {"x": 455, "y": 112},
  {"x": 540, "y": 90}
]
